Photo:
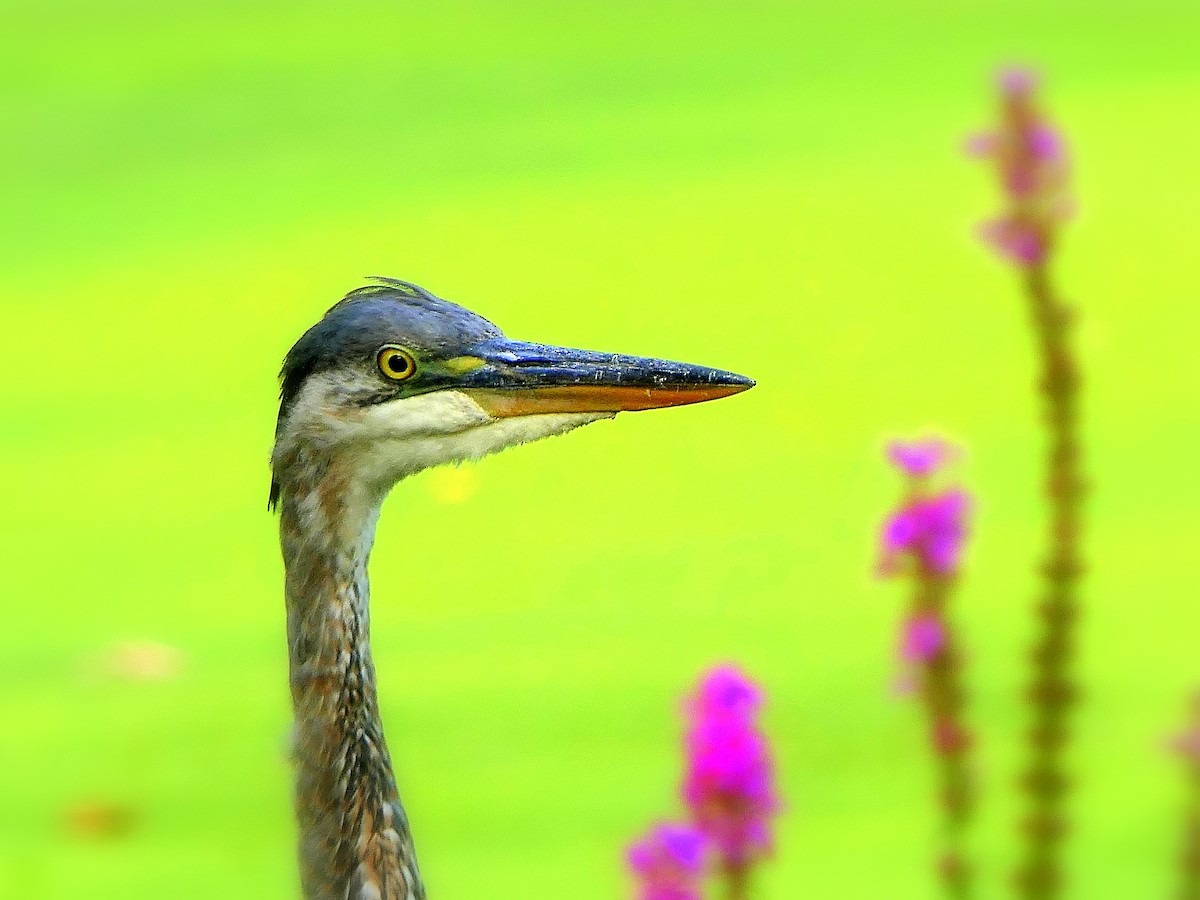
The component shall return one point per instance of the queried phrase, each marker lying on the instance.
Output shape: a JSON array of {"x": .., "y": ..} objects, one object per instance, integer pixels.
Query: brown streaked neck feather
[{"x": 355, "y": 842}]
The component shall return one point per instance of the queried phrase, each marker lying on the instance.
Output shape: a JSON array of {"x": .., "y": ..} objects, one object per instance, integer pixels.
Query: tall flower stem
[
  {"x": 944, "y": 697},
  {"x": 923, "y": 540},
  {"x": 1052, "y": 693}
]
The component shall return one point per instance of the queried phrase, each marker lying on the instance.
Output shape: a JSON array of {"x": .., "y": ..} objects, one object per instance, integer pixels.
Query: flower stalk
[
  {"x": 1052, "y": 693},
  {"x": 1031, "y": 161},
  {"x": 924, "y": 539},
  {"x": 944, "y": 698}
]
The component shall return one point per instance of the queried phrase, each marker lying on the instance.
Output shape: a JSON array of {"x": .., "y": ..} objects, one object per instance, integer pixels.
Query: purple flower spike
[
  {"x": 1031, "y": 162},
  {"x": 919, "y": 458},
  {"x": 729, "y": 783},
  {"x": 931, "y": 530},
  {"x": 923, "y": 540},
  {"x": 922, "y": 639},
  {"x": 668, "y": 862}
]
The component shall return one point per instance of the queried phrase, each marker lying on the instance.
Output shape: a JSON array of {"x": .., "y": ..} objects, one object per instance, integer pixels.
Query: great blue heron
[{"x": 391, "y": 381}]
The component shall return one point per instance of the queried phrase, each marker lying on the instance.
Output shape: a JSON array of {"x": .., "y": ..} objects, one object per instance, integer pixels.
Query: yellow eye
[{"x": 396, "y": 363}]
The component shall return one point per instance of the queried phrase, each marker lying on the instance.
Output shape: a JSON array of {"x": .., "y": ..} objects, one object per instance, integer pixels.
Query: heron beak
[{"x": 520, "y": 379}]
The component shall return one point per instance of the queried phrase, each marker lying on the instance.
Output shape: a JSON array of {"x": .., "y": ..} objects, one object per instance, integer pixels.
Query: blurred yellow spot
[
  {"x": 453, "y": 485},
  {"x": 136, "y": 661},
  {"x": 98, "y": 819}
]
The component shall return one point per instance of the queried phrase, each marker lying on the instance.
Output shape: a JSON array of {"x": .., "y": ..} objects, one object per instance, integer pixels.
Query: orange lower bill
[{"x": 585, "y": 398}]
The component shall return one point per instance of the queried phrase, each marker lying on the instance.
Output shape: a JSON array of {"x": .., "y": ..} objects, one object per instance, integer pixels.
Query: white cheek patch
[
  {"x": 401, "y": 437},
  {"x": 426, "y": 415}
]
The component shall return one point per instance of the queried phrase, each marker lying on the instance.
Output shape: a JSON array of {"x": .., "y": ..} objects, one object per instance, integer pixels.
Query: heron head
[{"x": 393, "y": 380}]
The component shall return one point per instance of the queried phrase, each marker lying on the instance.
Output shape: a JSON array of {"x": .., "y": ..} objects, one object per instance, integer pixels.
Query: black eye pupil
[{"x": 397, "y": 364}]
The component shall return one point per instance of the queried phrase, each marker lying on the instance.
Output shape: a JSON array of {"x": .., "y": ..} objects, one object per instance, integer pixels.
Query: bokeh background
[{"x": 775, "y": 188}]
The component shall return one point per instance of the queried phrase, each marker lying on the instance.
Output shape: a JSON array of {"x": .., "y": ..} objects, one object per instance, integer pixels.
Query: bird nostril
[{"x": 530, "y": 362}]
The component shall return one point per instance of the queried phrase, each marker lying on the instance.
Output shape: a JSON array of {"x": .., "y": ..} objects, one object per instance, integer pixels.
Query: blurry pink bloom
[
  {"x": 668, "y": 861},
  {"x": 922, "y": 638},
  {"x": 1187, "y": 744},
  {"x": 729, "y": 783},
  {"x": 1013, "y": 240},
  {"x": 1031, "y": 160},
  {"x": 1016, "y": 81},
  {"x": 1045, "y": 143},
  {"x": 919, "y": 458},
  {"x": 932, "y": 530},
  {"x": 724, "y": 692}
]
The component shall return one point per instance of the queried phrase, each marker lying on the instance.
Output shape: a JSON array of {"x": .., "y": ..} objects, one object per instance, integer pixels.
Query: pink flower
[
  {"x": 1187, "y": 744},
  {"x": 724, "y": 692},
  {"x": 931, "y": 530},
  {"x": 1045, "y": 143},
  {"x": 1031, "y": 160},
  {"x": 668, "y": 861},
  {"x": 919, "y": 458},
  {"x": 729, "y": 783},
  {"x": 1016, "y": 81},
  {"x": 922, "y": 638},
  {"x": 1014, "y": 240}
]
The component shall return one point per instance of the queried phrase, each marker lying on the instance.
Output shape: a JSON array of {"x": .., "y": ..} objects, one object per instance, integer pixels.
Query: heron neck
[{"x": 354, "y": 837}]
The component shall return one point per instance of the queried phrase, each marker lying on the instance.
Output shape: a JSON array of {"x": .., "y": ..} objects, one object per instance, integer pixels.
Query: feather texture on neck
[{"x": 355, "y": 842}]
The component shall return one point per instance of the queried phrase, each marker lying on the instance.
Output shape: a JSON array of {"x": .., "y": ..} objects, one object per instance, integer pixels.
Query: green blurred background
[{"x": 774, "y": 188}]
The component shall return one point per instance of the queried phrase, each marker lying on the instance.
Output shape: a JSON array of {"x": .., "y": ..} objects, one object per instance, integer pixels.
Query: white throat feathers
[{"x": 377, "y": 445}]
